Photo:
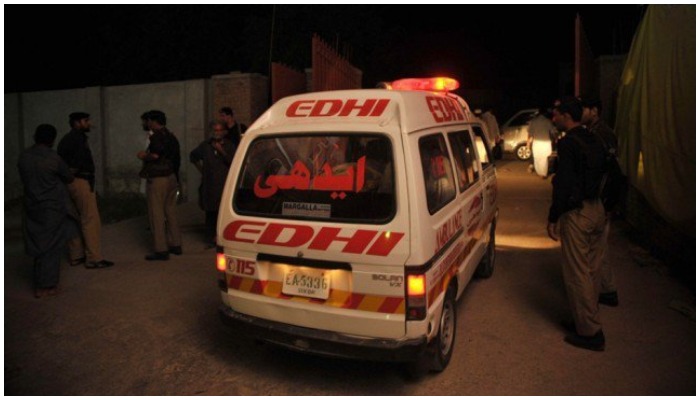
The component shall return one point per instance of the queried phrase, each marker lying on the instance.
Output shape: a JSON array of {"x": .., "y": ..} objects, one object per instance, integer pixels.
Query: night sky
[{"x": 514, "y": 49}]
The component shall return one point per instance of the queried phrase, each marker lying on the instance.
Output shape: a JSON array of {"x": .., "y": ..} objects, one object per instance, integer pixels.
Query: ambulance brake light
[
  {"x": 416, "y": 285},
  {"x": 415, "y": 297},
  {"x": 439, "y": 84}
]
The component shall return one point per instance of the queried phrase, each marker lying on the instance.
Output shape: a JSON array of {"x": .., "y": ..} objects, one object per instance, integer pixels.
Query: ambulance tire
[
  {"x": 439, "y": 351},
  {"x": 485, "y": 268},
  {"x": 444, "y": 342}
]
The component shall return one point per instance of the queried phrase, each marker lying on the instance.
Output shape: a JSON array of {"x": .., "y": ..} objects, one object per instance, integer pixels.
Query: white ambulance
[{"x": 353, "y": 220}]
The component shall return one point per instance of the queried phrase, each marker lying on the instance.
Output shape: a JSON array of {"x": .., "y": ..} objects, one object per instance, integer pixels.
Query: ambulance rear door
[{"x": 320, "y": 218}]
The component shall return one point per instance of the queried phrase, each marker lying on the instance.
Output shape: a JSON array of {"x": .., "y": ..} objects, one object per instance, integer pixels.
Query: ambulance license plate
[{"x": 307, "y": 283}]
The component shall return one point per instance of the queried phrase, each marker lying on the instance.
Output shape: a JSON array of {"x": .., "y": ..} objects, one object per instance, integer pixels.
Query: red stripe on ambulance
[
  {"x": 391, "y": 304},
  {"x": 354, "y": 300},
  {"x": 337, "y": 298}
]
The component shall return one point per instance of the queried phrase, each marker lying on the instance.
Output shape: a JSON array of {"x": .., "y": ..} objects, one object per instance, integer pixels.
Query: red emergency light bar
[{"x": 439, "y": 84}]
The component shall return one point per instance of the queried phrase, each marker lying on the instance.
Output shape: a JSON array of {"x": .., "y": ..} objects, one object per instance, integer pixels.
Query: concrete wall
[
  {"x": 184, "y": 105},
  {"x": 28, "y": 110},
  {"x": 116, "y": 135},
  {"x": 14, "y": 142}
]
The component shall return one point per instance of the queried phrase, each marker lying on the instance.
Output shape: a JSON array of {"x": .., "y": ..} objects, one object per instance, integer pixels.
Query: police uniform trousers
[
  {"x": 162, "y": 201},
  {"x": 607, "y": 275},
  {"x": 88, "y": 244},
  {"x": 582, "y": 248}
]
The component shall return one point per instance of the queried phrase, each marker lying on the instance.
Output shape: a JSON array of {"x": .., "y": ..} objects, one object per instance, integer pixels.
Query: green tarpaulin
[{"x": 656, "y": 113}]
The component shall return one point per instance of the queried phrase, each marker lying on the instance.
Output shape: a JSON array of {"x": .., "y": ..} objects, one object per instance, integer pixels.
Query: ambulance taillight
[
  {"x": 221, "y": 267},
  {"x": 415, "y": 297},
  {"x": 220, "y": 261}
]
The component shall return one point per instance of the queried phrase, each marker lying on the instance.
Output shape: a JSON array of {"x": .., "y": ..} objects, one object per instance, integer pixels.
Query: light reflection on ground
[{"x": 525, "y": 242}]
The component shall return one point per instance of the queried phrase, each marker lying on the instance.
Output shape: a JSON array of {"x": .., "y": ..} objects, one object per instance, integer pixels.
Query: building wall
[
  {"x": 116, "y": 134},
  {"x": 50, "y": 107},
  {"x": 14, "y": 143},
  {"x": 259, "y": 96},
  {"x": 183, "y": 104}
]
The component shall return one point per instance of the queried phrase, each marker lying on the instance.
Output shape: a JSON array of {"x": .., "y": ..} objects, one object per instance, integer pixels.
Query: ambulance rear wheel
[
  {"x": 486, "y": 265},
  {"x": 443, "y": 344}
]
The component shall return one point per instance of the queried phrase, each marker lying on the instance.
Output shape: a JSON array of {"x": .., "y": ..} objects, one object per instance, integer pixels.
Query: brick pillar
[{"x": 246, "y": 94}]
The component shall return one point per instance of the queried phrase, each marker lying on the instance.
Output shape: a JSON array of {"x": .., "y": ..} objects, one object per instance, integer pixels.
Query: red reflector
[
  {"x": 440, "y": 84},
  {"x": 416, "y": 285},
  {"x": 416, "y": 314},
  {"x": 220, "y": 262}
]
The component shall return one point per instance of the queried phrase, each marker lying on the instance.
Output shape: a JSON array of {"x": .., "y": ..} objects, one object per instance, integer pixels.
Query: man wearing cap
[{"x": 75, "y": 151}]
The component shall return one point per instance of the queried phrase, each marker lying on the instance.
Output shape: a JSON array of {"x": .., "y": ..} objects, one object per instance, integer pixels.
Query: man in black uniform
[
  {"x": 235, "y": 129},
  {"x": 161, "y": 166},
  {"x": 75, "y": 151},
  {"x": 213, "y": 158},
  {"x": 578, "y": 213}
]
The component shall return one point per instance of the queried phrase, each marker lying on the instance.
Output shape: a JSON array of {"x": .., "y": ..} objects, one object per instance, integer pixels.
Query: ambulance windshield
[{"x": 318, "y": 177}]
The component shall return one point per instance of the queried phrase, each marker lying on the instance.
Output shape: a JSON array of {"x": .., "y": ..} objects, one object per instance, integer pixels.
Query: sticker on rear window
[
  {"x": 306, "y": 209},
  {"x": 342, "y": 178}
]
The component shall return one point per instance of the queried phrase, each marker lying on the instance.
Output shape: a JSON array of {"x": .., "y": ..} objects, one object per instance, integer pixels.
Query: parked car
[{"x": 514, "y": 133}]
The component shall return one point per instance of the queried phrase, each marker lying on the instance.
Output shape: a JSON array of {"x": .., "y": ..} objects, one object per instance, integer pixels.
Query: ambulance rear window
[{"x": 339, "y": 177}]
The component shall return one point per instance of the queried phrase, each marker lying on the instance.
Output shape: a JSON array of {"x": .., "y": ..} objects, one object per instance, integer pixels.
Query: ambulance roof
[{"x": 364, "y": 109}]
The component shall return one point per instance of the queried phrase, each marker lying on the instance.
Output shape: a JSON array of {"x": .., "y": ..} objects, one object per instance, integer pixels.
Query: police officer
[
  {"x": 161, "y": 166},
  {"x": 577, "y": 217},
  {"x": 74, "y": 149}
]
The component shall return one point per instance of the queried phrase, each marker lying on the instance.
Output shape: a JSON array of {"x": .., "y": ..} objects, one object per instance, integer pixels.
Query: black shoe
[
  {"x": 608, "y": 299},
  {"x": 158, "y": 256},
  {"x": 98, "y": 264},
  {"x": 595, "y": 342},
  {"x": 77, "y": 261},
  {"x": 177, "y": 250}
]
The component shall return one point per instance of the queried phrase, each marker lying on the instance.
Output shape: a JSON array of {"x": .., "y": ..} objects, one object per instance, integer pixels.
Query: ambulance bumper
[{"x": 327, "y": 343}]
